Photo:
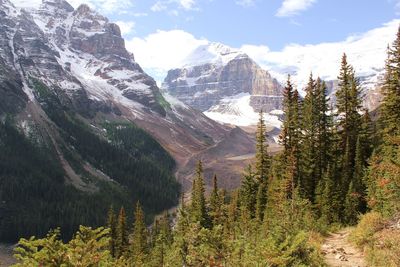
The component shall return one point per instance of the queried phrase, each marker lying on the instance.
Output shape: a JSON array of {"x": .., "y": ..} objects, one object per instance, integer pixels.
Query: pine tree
[
  {"x": 139, "y": 239},
  {"x": 198, "y": 208},
  {"x": 122, "y": 234},
  {"x": 263, "y": 164},
  {"x": 383, "y": 175},
  {"x": 367, "y": 136},
  {"x": 390, "y": 115},
  {"x": 112, "y": 225},
  {"x": 351, "y": 205},
  {"x": 343, "y": 97},
  {"x": 261, "y": 200},
  {"x": 262, "y": 157},
  {"x": 233, "y": 214},
  {"x": 215, "y": 203},
  {"x": 309, "y": 150},
  {"x": 287, "y": 132},
  {"x": 248, "y": 192},
  {"x": 330, "y": 199},
  {"x": 324, "y": 125},
  {"x": 349, "y": 120},
  {"x": 295, "y": 150},
  {"x": 162, "y": 243},
  {"x": 290, "y": 176},
  {"x": 180, "y": 242}
]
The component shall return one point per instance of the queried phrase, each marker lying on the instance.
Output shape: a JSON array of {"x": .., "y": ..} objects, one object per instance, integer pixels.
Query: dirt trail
[
  {"x": 339, "y": 252},
  {"x": 6, "y": 258}
]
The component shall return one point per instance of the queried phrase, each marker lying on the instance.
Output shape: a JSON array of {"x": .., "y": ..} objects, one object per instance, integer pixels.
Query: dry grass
[{"x": 380, "y": 240}]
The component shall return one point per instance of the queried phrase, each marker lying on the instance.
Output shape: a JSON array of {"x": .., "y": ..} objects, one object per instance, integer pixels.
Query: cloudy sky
[{"x": 162, "y": 32}]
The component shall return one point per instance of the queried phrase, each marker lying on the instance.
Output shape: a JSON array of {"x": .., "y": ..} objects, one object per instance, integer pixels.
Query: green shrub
[{"x": 369, "y": 224}]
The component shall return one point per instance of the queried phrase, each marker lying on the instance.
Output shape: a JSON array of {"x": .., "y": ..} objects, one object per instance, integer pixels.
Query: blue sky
[
  {"x": 257, "y": 22},
  {"x": 279, "y": 35}
]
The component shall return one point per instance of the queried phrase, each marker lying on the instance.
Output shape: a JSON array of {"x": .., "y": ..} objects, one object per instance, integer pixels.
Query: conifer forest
[{"x": 339, "y": 167}]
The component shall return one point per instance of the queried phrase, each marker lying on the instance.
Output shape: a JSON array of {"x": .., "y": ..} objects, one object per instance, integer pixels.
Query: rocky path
[
  {"x": 6, "y": 258},
  {"x": 339, "y": 252}
]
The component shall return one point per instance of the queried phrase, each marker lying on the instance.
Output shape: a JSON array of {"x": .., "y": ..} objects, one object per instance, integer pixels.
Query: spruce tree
[
  {"x": 295, "y": 150},
  {"x": 263, "y": 164},
  {"x": 162, "y": 243},
  {"x": 351, "y": 205},
  {"x": 233, "y": 214},
  {"x": 383, "y": 177},
  {"x": 261, "y": 200},
  {"x": 390, "y": 115},
  {"x": 286, "y": 131},
  {"x": 248, "y": 191},
  {"x": 180, "y": 242},
  {"x": 349, "y": 120},
  {"x": 262, "y": 157},
  {"x": 122, "y": 234},
  {"x": 309, "y": 141},
  {"x": 330, "y": 200},
  {"x": 198, "y": 210},
  {"x": 324, "y": 125},
  {"x": 139, "y": 238},
  {"x": 112, "y": 225},
  {"x": 215, "y": 203}
]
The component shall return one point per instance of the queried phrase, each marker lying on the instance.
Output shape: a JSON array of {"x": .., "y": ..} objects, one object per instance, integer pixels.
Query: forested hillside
[
  {"x": 36, "y": 194},
  {"x": 336, "y": 164}
]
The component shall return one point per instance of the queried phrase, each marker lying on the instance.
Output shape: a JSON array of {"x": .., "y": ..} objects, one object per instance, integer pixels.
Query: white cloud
[
  {"x": 169, "y": 5},
  {"x": 140, "y": 14},
  {"x": 366, "y": 52},
  {"x": 164, "y": 50},
  {"x": 159, "y": 6},
  {"x": 103, "y": 6},
  {"x": 245, "y": 3},
  {"x": 293, "y": 7},
  {"x": 126, "y": 27},
  {"x": 187, "y": 4}
]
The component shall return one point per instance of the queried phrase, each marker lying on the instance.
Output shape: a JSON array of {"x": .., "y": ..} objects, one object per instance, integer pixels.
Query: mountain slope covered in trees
[{"x": 336, "y": 164}]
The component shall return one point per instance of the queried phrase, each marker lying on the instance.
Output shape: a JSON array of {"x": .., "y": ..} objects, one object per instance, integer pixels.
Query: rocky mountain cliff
[
  {"x": 70, "y": 87},
  {"x": 215, "y": 73}
]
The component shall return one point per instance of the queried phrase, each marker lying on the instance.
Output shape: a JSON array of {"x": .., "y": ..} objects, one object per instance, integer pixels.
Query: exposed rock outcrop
[{"x": 215, "y": 72}]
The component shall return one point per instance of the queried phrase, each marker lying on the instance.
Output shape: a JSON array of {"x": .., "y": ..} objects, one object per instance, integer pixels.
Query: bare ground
[
  {"x": 339, "y": 252},
  {"x": 6, "y": 258}
]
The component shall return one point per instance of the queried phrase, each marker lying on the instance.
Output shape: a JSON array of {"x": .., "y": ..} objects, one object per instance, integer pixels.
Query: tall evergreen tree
[
  {"x": 122, "y": 234},
  {"x": 198, "y": 208},
  {"x": 324, "y": 125},
  {"x": 262, "y": 157},
  {"x": 297, "y": 137},
  {"x": 263, "y": 164},
  {"x": 348, "y": 104},
  {"x": 309, "y": 145},
  {"x": 112, "y": 225},
  {"x": 248, "y": 191},
  {"x": 287, "y": 130},
  {"x": 390, "y": 115},
  {"x": 139, "y": 239},
  {"x": 383, "y": 175},
  {"x": 330, "y": 198},
  {"x": 215, "y": 203}
]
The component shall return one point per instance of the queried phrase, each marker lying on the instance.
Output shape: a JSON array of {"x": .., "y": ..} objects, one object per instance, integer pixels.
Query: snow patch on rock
[{"x": 236, "y": 110}]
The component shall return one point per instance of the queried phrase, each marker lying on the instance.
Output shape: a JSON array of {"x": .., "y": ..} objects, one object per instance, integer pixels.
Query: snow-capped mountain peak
[{"x": 212, "y": 53}]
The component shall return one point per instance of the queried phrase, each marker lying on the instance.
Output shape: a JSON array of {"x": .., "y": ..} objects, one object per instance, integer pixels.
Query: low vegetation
[{"x": 335, "y": 165}]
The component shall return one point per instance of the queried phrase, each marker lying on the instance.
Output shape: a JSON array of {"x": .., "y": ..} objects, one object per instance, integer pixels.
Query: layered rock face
[
  {"x": 89, "y": 45},
  {"x": 81, "y": 58},
  {"x": 223, "y": 73}
]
